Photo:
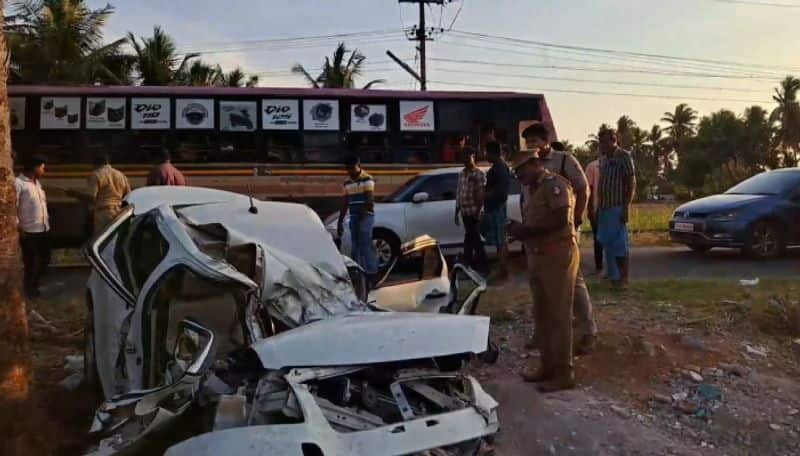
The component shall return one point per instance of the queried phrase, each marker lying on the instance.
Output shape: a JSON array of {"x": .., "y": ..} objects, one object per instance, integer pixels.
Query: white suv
[{"x": 424, "y": 205}]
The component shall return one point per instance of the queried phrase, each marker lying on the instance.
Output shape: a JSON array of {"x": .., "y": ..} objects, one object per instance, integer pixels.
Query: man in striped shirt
[
  {"x": 616, "y": 188},
  {"x": 358, "y": 201}
]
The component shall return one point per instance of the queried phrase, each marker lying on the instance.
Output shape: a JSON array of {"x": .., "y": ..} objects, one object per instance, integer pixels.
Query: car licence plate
[{"x": 684, "y": 227}]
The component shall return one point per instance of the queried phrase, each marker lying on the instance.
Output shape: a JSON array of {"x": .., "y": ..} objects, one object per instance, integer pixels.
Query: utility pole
[{"x": 422, "y": 36}]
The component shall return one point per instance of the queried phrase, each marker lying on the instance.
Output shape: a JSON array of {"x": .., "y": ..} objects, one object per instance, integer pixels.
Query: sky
[{"x": 475, "y": 52}]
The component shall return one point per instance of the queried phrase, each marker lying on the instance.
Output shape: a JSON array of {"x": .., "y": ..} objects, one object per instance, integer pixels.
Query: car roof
[
  {"x": 785, "y": 170},
  {"x": 451, "y": 170},
  {"x": 291, "y": 227}
]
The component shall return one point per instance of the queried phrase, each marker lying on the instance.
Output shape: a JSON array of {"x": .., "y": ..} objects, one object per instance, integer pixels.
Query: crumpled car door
[
  {"x": 122, "y": 256},
  {"x": 423, "y": 290},
  {"x": 125, "y": 419}
]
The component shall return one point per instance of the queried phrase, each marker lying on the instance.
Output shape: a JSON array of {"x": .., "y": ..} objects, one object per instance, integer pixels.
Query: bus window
[
  {"x": 145, "y": 145},
  {"x": 455, "y": 116},
  {"x": 453, "y": 146},
  {"x": 416, "y": 148},
  {"x": 322, "y": 147},
  {"x": 236, "y": 147},
  {"x": 283, "y": 147},
  {"x": 61, "y": 147},
  {"x": 193, "y": 147},
  {"x": 113, "y": 143},
  {"x": 370, "y": 147}
]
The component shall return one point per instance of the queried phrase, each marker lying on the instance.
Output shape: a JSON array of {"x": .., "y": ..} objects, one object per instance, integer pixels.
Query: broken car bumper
[{"x": 316, "y": 436}]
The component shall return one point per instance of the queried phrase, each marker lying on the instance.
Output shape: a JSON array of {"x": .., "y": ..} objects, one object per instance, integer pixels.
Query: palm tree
[
  {"x": 157, "y": 60},
  {"x": 61, "y": 41},
  {"x": 20, "y": 417},
  {"x": 757, "y": 151},
  {"x": 656, "y": 140},
  {"x": 237, "y": 78},
  {"x": 681, "y": 123},
  {"x": 787, "y": 115},
  {"x": 337, "y": 74},
  {"x": 625, "y": 127},
  {"x": 200, "y": 73}
]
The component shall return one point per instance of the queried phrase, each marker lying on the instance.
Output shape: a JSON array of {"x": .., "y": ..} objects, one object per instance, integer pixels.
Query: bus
[{"x": 272, "y": 143}]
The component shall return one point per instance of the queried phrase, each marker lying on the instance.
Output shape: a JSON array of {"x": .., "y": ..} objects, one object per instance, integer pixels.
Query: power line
[
  {"x": 755, "y": 3},
  {"x": 596, "y": 81},
  {"x": 591, "y": 92},
  {"x": 286, "y": 41},
  {"x": 599, "y": 70},
  {"x": 625, "y": 53},
  {"x": 659, "y": 64},
  {"x": 606, "y": 66}
]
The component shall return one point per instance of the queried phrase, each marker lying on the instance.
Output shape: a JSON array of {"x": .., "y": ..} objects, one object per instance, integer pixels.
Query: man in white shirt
[{"x": 33, "y": 223}]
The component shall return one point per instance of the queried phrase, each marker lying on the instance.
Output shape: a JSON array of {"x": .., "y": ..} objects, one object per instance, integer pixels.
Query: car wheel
[
  {"x": 387, "y": 247},
  {"x": 90, "y": 376},
  {"x": 765, "y": 241},
  {"x": 699, "y": 248}
]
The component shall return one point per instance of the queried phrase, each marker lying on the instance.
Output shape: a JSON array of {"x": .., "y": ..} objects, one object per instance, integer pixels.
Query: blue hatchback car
[{"x": 761, "y": 216}]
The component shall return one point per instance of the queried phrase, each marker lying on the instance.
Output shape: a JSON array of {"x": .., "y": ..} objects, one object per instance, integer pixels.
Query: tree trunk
[{"x": 17, "y": 409}]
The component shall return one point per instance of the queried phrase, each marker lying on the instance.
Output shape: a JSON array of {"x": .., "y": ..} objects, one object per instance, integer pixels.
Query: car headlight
[{"x": 724, "y": 216}]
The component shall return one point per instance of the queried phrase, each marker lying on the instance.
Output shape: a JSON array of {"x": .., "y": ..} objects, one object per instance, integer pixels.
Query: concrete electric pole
[{"x": 422, "y": 36}]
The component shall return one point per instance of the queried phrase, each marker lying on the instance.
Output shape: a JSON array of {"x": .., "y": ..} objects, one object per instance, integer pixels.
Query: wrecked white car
[{"x": 245, "y": 310}]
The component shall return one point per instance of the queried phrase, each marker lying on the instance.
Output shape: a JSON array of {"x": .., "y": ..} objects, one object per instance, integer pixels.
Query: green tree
[
  {"x": 237, "y": 78},
  {"x": 720, "y": 137},
  {"x": 200, "y": 73},
  {"x": 625, "y": 127},
  {"x": 61, "y": 42},
  {"x": 157, "y": 60},
  {"x": 787, "y": 115},
  {"x": 339, "y": 72},
  {"x": 680, "y": 127},
  {"x": 757, "y": 151}
]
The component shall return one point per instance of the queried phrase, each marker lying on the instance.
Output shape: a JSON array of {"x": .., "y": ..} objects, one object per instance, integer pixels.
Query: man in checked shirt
[{"x": 469, "y": 206}]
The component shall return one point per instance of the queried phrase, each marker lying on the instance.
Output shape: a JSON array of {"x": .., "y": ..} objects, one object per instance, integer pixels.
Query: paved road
[{"x": 652, "y": 263}]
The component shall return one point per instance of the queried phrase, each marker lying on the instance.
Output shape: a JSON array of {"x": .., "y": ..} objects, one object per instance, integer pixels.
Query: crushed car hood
[
  {"x": 303, "y": 276},
  {"x": 374, "y": 337}
]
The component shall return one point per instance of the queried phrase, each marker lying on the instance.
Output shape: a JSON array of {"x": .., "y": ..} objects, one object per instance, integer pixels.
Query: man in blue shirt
[
  {"x": 498, "y": 180},
  {"x": 358, "y": 201}
]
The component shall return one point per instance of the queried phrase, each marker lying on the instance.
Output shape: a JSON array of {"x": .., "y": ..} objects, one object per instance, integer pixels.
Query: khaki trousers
[
  {"x": 552, "y": 280},
  {"x": 103, "y": 216}
]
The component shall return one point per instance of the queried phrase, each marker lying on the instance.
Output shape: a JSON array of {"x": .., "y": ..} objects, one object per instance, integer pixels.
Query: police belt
[{"x": 553, "y": 247}]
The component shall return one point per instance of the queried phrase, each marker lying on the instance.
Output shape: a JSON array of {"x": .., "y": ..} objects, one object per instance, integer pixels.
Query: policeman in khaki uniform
[
  {"x": 107, "y": 187},
  {"x": 564, "y": 164},
  {"x": 553, "y": 260}
]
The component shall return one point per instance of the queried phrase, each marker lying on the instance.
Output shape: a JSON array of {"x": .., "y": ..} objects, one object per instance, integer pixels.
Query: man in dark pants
[
  {"x": 593, "y": 176},
  {"x": 469, "y": 204},
  {"x": 498, "y": 180},
  {"x": 33, "y": 224}
]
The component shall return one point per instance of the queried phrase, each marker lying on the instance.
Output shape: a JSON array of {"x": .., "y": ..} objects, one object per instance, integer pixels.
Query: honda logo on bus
[{"x": 416, "y": 115}]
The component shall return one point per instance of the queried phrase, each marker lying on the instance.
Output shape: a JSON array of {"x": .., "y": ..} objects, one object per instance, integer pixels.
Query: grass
[
  {"x": 647, "y": 218},
  {"x": 772, "y": 307}
]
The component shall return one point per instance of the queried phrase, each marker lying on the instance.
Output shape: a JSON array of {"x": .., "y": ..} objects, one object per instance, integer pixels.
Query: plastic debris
[
  {"x": 749, "y": 282},
  {"x": 72, "y": 382}
]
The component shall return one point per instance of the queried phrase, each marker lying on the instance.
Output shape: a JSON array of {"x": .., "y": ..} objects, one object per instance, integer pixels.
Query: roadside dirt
[
  {"x": 624, "y": 404},
  {"x": 651, "y": 387}
]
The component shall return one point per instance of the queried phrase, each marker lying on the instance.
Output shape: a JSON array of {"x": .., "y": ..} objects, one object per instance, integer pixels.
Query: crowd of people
[
  {"x": 106, "y": 189},
  {"x": 557, "y": 195}
]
